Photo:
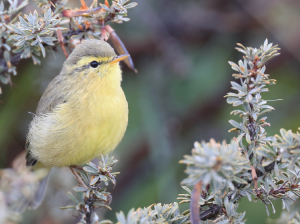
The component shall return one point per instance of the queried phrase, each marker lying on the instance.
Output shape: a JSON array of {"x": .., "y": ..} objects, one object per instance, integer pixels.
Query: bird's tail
[
  {"x": 37, "y": 198},
  {"x": 40, "y": 194}
]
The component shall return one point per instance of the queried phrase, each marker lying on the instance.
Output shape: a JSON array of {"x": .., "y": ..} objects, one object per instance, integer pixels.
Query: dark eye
[{"x": 94, "y": 64}]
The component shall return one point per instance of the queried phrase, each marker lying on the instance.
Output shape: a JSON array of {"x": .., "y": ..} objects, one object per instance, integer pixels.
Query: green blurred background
[{"x": 181, "y": 49}]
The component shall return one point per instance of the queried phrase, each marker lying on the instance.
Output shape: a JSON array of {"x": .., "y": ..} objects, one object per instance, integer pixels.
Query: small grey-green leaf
[
  {"x": 248, "y": 195},
  {"x": 42, "y": 48},
  {"x": 94, "y": 180},
  {"x": 295, "y": 151},
  {"x": 248, "y": 98},
  {"x": 267, "y": 107},
  {"x": 267, "y": 210},
  {"x": 237, "y": 103},
  {"x": 246, "y": 107},
  {"x": 79, "y": 189},
  {"x": 239, "y": 180},
  {"x": 130, "y": 5},
  {"x": 224, "y": 221},
  {"x": 39, "y": 38},
  {"x": 80, "y": 196},
  {"x": 36, "y": 61},
  {"x": 103, "y": 178},
  {"x": 73, "y": 198},
  {"x": 23, "y": 22},
  {"x": 106, "y": 222},
  {"x": 29, "y": 37},
  {"x": 16, "y": 29},
  {"x": 90, "y": 170},
  {"x": 264, "y": 153},
  {"x": 92, "y": 165},
  {"x": 235, "y": 124},
  {"x": 68, "y": 207},
  {"x": 34, "y": 42},
  {"x": 239, "y": 138},
  {"x": 16, "y": 37},
  {"x": 234, "y": 66},
  {"x": 105, "y": 7},
  {"x": 187, "y": 189},
  {"x": 47, "y": 40},
  {"x": 101, "y": 196},
  {"x": 45, "y": 32},
  {"x": 20, "y": 42},
  {"x": 255, "y": 90},
  {"x": 266, "y": 163},
  {"x": 231, "y": 100},
  {"x": 6, "y": 55},
  {"x": 248, "y": 138},
  {"x": 236, "y": 86}
]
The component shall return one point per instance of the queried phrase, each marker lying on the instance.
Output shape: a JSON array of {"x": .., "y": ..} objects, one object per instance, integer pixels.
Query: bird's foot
[{"x": 78, "y": 178}]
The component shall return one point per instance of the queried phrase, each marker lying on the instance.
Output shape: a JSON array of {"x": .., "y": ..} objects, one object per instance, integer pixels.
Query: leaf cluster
[
  {"x": 216, "y": 164},
  {"x": 158, "y": 214},
  {"x": 30, "y": 36},
  {"x": 91, "y": 195},
  {"x": 253, "y": 164}
]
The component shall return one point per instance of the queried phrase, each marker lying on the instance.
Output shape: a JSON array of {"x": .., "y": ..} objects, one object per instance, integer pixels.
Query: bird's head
[{"x": 93, "y": 57}]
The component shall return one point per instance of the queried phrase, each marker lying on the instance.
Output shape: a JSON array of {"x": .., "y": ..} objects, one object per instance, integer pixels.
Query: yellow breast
[{"x": 91, "y": 122}]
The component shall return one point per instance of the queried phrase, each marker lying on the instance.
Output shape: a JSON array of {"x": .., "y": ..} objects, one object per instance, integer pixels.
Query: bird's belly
[
  {"x": 92, "y": 140},
  {"x": 73, "y": 136}
]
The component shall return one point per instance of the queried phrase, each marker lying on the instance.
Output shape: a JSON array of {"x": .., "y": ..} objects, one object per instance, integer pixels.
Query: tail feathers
[
  {"x": 40, "y": 194},
  {"x": 37, "y": 199}
]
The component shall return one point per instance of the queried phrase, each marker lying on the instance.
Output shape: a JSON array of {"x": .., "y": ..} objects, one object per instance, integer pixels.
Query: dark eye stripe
[{"x": 82, "y": 68}]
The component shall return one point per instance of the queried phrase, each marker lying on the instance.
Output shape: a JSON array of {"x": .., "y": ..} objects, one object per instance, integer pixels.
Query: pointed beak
[{"x": 118, "y": 58}]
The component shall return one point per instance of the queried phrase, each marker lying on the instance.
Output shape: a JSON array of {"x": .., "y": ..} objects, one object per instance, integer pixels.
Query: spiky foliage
[
  {"x": 266, "y": 167},
  {"x": 30, "y": 36},
  {"x": 92, "y": 195},
  {"x": 34, "y": 32},
  {"x": 216, "y": 164},
  {"x": 153, "y": 214}
]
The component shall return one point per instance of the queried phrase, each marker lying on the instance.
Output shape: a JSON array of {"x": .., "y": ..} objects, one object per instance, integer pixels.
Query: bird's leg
[
  {"x": 77, "y": 167},
  {"x": 78, "y": 178}
]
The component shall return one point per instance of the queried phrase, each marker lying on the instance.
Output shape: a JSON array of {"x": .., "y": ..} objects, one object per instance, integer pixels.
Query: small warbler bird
[{"x": 82, "y": 114}]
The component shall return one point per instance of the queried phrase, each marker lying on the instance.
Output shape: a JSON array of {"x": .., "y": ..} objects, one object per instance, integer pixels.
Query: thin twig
[
  {"x": 78, "y": 178},
  {"x": 194, "y": 205},
  {"x": 254, "y": 177},
  {"x": 60, "y": 39},
  {"x": 217, "y": 220}
]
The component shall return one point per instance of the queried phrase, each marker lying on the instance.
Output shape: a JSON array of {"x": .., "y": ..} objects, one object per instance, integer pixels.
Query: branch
[{"x": 194, "y": 205}]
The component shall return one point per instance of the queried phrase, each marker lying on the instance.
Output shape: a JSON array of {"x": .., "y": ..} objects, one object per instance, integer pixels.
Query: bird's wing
[
  {"x": 55, "y": 94},
  {"x": 52, "y": 97},
  {"x": 30, "y": 160}
]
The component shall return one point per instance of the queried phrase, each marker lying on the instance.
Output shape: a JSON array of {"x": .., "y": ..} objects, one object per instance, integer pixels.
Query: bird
[{"x": 82, "y": 114}]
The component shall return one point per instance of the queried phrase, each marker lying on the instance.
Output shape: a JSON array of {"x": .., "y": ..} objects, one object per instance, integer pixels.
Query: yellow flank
[{"x": 83, "y": 112}]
